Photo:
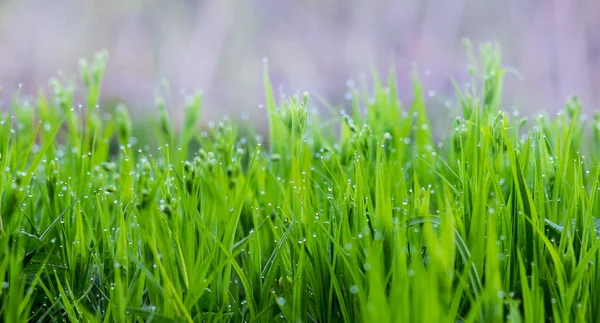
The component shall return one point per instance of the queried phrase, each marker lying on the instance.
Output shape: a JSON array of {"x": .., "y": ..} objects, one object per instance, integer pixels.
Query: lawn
[{"x": 366, "y": 216}]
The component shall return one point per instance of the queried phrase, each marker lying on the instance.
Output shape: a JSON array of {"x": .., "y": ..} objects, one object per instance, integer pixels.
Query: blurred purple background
[{"x": 313, "y": 45}]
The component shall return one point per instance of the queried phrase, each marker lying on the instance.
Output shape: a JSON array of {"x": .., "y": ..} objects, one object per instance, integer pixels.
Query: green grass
[{"x": 368, "y": 217}]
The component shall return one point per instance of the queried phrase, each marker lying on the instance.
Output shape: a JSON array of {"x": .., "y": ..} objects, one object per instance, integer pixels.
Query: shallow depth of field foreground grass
[{"x": 361, "y": 217}]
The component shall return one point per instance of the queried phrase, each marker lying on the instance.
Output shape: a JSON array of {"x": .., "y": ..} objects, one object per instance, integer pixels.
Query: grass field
[{"x": 362, "y": 217}]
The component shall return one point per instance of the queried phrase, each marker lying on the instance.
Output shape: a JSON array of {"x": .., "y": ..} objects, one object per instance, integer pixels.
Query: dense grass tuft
[{"x": 361, "y": 218}]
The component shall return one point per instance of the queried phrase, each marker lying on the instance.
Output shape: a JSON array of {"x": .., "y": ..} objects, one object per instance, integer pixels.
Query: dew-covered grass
[{"x": 367, "y": 216}]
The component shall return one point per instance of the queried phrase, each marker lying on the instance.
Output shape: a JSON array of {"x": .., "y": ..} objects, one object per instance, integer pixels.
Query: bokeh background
[{"x": 316, "y": 45}]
